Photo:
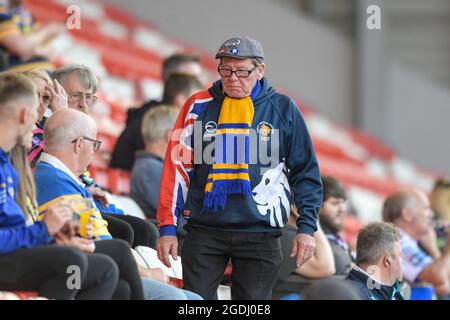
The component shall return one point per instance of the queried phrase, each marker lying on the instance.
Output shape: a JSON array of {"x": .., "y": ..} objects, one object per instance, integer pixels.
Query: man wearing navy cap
[{"x": 239, "y": 155}]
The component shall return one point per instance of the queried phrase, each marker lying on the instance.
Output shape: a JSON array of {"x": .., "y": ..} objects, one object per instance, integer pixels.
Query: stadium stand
[{"x": 127, "y": 53}]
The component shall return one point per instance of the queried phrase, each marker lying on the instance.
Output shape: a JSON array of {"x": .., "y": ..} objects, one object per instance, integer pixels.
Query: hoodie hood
[{"x": 265, "y": 92}]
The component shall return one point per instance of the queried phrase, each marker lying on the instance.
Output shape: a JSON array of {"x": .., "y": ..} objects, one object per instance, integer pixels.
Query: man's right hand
[
  {"x": 167, "y": 245},
  {"x": 56, "y": 217},
  {"x": 85, "y": 245}
]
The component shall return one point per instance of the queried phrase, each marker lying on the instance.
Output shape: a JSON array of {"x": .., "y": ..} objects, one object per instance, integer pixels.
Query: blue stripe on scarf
[
  {"x": 224, "y": 150},
  {"x": 235, "y": 146},
  {"x": 215, "y": 201}
]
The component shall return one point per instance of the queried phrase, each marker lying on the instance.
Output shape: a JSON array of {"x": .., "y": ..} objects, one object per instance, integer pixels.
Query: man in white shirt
[{"x": 410, "y": 211}]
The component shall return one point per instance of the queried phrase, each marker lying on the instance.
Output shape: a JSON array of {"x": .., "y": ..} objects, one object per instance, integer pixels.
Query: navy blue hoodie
[{"x": 292, "y": 174}]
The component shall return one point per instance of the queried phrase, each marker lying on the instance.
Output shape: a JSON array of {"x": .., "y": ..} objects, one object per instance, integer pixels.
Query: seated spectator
[
  {"x": 410, "y": 211},
  {"x": 180, "y": 75},
  {"x": 25, "y": 44},
  {"x": 180, "y": 63},
  {"x": 321, "y": 265},
  {"x": 26, "y": 198},
  {"x": 378, "y": 268},
  {"x": 26, "y": 243},
  {"x": 52, "y": 97},
  {"x": 330, "y": 217},
  {"x": 178, "y": 88},
  {"x": 80, "y": 84},
  {"x": 70, "y": 144},
  {"x": 440, "y": 203},
  {"x": 147, "y": 169}
]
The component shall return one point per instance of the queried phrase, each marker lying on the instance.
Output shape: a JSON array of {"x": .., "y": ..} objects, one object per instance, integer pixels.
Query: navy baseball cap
[{"x": 241, "y": 48}]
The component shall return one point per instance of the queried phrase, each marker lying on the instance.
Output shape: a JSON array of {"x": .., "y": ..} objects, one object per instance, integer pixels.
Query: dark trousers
[
  {"x": 119, "y": 229},
  {"x": 255, "y": 257},
  {"x": 144, "y": 232},
  {"x": 130, "y": 283},
  {"x": 45, "y": 269}
]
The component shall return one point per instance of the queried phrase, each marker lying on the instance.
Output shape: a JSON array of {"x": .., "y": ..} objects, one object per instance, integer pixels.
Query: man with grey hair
[
  {"x": 146, "y": 175},
  {"x": 80, "y": 84},
  {"x": 378, "y": 267},
  {"x": 409, "y": 209}
]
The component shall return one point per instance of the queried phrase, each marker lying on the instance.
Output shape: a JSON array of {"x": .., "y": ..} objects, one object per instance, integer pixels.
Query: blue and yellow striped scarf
[{"x": 229, "y": 173}]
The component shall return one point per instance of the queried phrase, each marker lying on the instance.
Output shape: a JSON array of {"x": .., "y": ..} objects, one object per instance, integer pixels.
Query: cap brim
[{"x": 229, "y": 55}]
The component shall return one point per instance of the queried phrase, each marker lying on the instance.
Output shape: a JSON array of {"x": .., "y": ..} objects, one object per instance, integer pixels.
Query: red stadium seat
[
  {"x": 47, "y": 11},
  {"x": 372, "y": 144},
  {"x": 100, "y": 175},
  {"x": 327, "y": 148},
  {"x": 24, "y": 295},
  {"x": 119, "y": 181},
  {"x": 350, "y": 174}
]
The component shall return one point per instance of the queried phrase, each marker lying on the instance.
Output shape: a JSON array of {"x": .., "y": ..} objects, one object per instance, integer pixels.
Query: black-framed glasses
[
  {"x": 225, "y": 72},
  {"x": 97, "y": 143}
]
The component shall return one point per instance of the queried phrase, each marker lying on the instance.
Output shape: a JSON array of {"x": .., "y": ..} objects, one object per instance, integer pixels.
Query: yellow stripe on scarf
[
  {"x": 237, "y": 111},
  {"x": 233, "y": 131}
]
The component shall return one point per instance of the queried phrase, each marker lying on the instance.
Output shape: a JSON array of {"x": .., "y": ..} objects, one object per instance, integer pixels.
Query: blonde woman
[{"x": 52, "y": 97}]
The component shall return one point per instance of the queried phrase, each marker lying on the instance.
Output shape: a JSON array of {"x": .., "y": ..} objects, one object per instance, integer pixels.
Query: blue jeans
[{"x": 156, "y": 290}]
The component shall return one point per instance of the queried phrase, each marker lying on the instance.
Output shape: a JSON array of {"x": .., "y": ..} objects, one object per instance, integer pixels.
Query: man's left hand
[{"x": 303, "y": 247}]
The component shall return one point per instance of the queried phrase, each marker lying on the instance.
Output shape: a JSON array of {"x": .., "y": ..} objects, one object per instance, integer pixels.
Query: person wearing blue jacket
[
  {"x": 28, "y": 259},
  {"x": 240, "y": 153}
]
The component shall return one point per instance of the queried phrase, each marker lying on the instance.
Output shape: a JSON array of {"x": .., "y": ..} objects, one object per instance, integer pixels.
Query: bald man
[
  {"x": 69, "y": 147},
  {"x": 29, "y": 260},
  {"x": 70, "y": 142},
  {"x": 410, "y": 211}
]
